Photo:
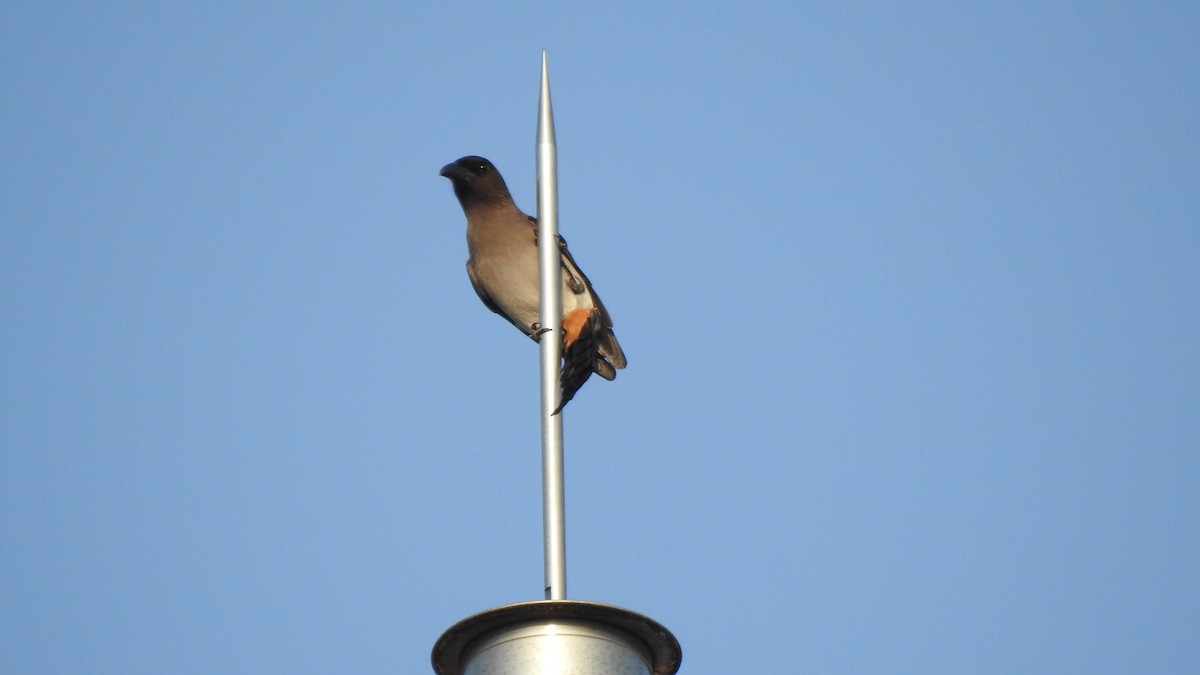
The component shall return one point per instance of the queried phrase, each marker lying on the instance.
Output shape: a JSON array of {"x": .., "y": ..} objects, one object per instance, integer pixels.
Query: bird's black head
[{"x": 475, "y": 180}]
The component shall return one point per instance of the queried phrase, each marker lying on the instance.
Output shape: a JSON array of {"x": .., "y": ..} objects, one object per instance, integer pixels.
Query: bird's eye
[{"x": 481, "y": 169}]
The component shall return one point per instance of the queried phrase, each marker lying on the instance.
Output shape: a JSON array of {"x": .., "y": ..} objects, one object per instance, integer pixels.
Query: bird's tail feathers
[
  {"x": 588, "y": 347},
  {"x": 612, "y": 358}
]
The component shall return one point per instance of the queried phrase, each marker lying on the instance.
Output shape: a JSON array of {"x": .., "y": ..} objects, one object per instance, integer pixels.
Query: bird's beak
[{"x": 450, "y": 170}]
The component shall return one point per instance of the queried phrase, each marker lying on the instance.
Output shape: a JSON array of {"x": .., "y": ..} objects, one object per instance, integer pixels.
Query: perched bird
[{"x": 503, "y": 267}]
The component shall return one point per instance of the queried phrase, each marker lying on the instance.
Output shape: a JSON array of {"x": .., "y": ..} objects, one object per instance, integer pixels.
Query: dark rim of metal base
[{"x": 662, "y": 645}]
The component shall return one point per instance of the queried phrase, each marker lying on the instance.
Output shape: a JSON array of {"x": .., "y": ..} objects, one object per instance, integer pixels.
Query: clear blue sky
[{"x": 909, "y": 292}]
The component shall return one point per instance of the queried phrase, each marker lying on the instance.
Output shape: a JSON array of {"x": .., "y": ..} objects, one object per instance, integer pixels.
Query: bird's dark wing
[
  {"x": 610, "y": 355},
  {"x": 605, "y": 341},
  {"x": 574, "y": 277},
  {"x": 578, "y": 281}
]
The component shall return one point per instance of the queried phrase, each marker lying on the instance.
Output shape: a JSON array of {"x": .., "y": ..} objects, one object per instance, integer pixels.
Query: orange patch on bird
[{"x": 573, "y": 323}]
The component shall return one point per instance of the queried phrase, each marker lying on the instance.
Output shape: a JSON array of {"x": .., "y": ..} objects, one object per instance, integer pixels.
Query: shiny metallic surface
[
  {"x": 555, "y": 647},
  {"x": 550, "y": 317},
  {"x": 555, "y": 637}
]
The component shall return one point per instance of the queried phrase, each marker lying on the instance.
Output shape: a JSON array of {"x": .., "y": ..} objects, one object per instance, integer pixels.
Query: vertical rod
[{"x": 550, "y": 318}]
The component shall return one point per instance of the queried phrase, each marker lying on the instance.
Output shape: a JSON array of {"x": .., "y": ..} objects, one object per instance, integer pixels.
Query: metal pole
[
  {"x": 555, "y": 635},
  {"x": 550, "y": 318}
]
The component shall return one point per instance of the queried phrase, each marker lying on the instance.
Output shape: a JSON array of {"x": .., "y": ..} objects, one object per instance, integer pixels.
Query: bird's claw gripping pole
[{"x": 550, "y": 319}]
